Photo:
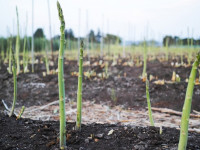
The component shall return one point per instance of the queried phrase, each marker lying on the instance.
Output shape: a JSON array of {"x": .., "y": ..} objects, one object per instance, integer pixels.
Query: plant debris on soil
[
  {"x": 101, "y": 113},
  {"x": 124, "y": 81},
  {"x": 35, "y": 134}
]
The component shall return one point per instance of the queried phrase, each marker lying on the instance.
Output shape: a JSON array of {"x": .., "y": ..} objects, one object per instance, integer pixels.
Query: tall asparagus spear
[
  {"x": 148, "y": 102},
  {"x": 17, "y": 43},
  {"x": 15, "y": 83},
  {"x": 61, "y": 82},
  {"x": 79, "y": 92},
  {"x": 187, "y": 106}
]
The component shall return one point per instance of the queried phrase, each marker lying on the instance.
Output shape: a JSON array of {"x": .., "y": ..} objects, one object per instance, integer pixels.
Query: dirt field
[{"x": 122, "y": 88}]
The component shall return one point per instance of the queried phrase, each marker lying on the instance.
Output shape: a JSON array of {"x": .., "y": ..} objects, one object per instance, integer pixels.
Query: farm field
[
  {"x": 114, "y": 98},
  {"x": 99, "y": 75}
]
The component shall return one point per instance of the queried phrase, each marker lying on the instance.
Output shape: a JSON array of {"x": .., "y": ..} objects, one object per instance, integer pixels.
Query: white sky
[{"x": 122, "y": 17}]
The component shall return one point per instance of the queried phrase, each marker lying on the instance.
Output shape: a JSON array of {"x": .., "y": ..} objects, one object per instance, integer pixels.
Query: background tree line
[
  {"x": 177, "y": 41},
  {"x": 41, "y": 42}
]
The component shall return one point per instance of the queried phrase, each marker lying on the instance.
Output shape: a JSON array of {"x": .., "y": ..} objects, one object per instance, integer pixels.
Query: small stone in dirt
[
  {"x": 46, "y": 137},
  {"x": 110, "y": 132},
  {"x": 33, "y": 135},
  {"x": 96, "y": 140},
  {"x": 107, "y": 137},
  {"x": 50, "y": 143},
  {"x": 87, "y": 141},
  {"x": 99, "y": 135},
  {"x": 139, "y": 147},
  {"x": 142, "y": 136}
]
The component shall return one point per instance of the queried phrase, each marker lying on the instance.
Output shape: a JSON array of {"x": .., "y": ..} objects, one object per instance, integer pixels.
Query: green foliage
[
  {"x": 39, "y": 33},
  {"x": 56, "y": 44},
  {"x": 172, "y": 41},
  {"x": 38, "y": 44},
  {"x": 111, "y": 39},
  {"x": 92, "y": 36},
  {"x": 3, "y": 46},
  {"x": 69, "y": 34}
]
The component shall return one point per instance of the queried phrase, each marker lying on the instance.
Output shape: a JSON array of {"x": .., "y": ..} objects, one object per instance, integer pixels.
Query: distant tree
[
  {"x": 39, "y": 33},
  {"x": 92, "y": 36},
  {"x": 178, "y": 41},
  {"x": 111, "y": 38},
  {"x": 98, "y": 36},
  {"x": 56, "y": 37},
  {"x": 168, "y": 40},
  {"x": 69, "y": 34}
]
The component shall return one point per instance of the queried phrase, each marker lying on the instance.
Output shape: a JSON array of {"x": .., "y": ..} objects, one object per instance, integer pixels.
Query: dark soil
[
  {"x": 39, "y": 135},
  {"x": 129, "y": 90}
]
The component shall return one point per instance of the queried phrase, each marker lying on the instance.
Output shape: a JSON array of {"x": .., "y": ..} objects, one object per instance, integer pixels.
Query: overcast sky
[{"x": 126, "y": 18}]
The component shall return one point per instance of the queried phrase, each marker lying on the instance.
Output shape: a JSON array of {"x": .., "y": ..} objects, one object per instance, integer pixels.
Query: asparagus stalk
[
  {"x": 46, "y": 55},
  {"x": 61, "y": 82},
  {"x": 17, "y": 43},
  {"x": 189, "y": 50},
  {"x": 15, "y": 83},
  {"x": 2, "y": 50},
  {"x": 167, "y": 49},
  {"x": 47, "y": 62},
  {"x": 187, "y": 106},
  {"x": 21, "y": 112},
  {"x": 24, "y": 49},
  {"x": 145, "y": 61},
  {"x": 7, "y": 50},
  {"x": 24, "y": 55},
  {"x": 10, "y": 56},
  {"x": 149, "y": 103},
  {"x": 32, "y": 42},
  {"x": 181, "y": 43},
  {"x": 79, "y": 92}
]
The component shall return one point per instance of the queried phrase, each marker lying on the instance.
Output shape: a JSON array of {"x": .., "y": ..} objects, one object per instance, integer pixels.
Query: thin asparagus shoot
[
  {"x": 187, "y": 106},
  {"x": 10, "y": 56},
  {"x": 79, "y": 92},
  {"x": 7, "y": 51},
  {"x": 21, "y": 112},
  {"x": 15, "y": 83},
  {"x": 145, "y": 61},
  {"x": 24, "y": 55},
  {"x": 167, "y": 49},
  {"x": 61, "y": 82},
  {"x": 149, "y": 102},
  {"x": 24, "y": 49},
  {"x": 47, "y": 62},
  {"x": 17, "y": 43},
  {"x": 32, "y": 42}
]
